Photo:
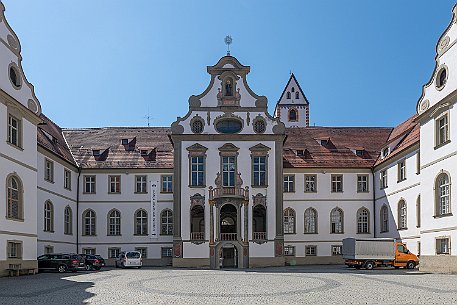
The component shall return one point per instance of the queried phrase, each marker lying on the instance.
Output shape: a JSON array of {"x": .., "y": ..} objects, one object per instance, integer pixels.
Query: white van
[{"x": 129, "y": 259}]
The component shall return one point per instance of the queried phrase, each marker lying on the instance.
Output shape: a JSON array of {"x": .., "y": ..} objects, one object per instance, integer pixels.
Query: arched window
[
  {"x": 384, "y": 221},
  {"x": 141, "y": 222},
  {"x": 310, "y": 220},
  {"x": 114, "y": 222},
  {"x": 442, "y": 195},
  {"x": 14, "y": 194},
  {"x": 418, "y": 211},
  {"x": 288, "y": 95},
  {"x": 289, "y": 221},
  {"x": 89, "y": 222},
  {"x": 363, "y": 221},
  {"x": 68, "y": 221},
  {"x": 293, "y": 89},
  {"x": 297, "y": 95},
  {"x": 402, "y": 215},
  {"x": 166, "y": 220},
  {"x": 292, "y": 115},
  {"x": 197, "y": 223},
  {"x": 48, "y": 216},
  {"x": 336, "y": 221}
]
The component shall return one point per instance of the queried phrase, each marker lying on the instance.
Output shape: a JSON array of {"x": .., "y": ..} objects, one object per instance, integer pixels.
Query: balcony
[
  {"x": 260, "y": 235},
  {"x": 229, "y": 236},
  {"x": 229, "y": 191},
  {"x": 197, "y": 236}
]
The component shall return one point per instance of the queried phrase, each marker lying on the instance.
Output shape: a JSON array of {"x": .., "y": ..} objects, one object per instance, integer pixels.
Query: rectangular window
[
  {"x": 289, "y": 183},
  {"x": 141, "y": 184},
  {"x": 310, "y": 250},
  {"x": 197, "y": 171},
  {"x": 14, "y": 131},
  {"x": 442, "y": 246},
  {"x": 14, "y": 249},
  {"x": 67, "y": 179},
  {"x": 143, "y": 251},
  {"x": 289, "y": 251},
  {"x": 228, "y": 171},
  {"x": 113, "y": 252},
  {"x": 48, "y": 170},
  {"x": 362, "y": 184},
  {"x": 89, "y": 251},
  {"x": 310, "y": 183},
  {"x": 418, "y": 162},
  {"x": 337, "y": 250},
  {"x": 89, "y": 184},
  {"x": 48, "y": 249},
  {"x": 114, "y": 184},
  {"x": 259, "y": 169},
  {"x": 167, "y": 184},
  {"x": 383, "y": 178},
  {"x": 401, "y": 170},
  {"x": 442, "y": 130},
  {"x": 167, "y": 252},
  {"x": 337, "y": 183}
]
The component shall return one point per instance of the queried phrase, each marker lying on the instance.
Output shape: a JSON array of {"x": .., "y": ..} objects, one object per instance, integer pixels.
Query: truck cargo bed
[{"x": 369, "y": 249}]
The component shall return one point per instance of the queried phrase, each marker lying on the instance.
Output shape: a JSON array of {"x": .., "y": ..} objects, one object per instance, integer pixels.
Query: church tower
[{"x": 293, "y": 106}]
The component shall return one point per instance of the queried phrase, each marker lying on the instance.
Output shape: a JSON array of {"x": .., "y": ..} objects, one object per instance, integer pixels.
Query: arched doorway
[
  {"x": 228, "y": 256},
  {"x": 228, "y": 222}
]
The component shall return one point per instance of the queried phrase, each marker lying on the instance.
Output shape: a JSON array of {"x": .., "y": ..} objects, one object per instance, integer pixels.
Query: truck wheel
[
  {"x": 411, "y": 265},
  {"x": 369, "y": 265}
]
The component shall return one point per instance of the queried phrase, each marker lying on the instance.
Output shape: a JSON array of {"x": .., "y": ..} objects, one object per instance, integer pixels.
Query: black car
[
  {"x": 93, "y": 261},
  {"x": 61, "y": 262}
]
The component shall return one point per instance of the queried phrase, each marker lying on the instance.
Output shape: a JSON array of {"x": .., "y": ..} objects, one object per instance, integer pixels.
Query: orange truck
[{"x": 369, "y": 253}]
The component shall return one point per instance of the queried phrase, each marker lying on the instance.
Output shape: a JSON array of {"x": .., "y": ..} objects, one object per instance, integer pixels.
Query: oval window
[{"x": 229, "y": 126}]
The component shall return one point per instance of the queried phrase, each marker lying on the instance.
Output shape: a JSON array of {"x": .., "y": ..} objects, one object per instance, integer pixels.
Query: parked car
[
  {"x": 61, "y": 262},
  {"x": 129, "y": 259},
  {"x": 93, "y": 261}
]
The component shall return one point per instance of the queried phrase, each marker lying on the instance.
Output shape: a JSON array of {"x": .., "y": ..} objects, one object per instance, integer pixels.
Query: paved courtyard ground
[{"x": 286, "y": 285}]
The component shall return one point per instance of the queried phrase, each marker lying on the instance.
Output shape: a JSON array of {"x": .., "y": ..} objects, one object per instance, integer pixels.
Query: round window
[
  {"x": 229, "y": 126},
  {"x": 441, "y": 78},
  {"x": 259, "y": 126},
  {"x": 197, "y": 126},
  {"x": 14, "y": 77}
]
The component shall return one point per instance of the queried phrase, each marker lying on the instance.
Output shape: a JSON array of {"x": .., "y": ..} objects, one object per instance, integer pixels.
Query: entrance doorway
[{"x": 229, "y": 257}]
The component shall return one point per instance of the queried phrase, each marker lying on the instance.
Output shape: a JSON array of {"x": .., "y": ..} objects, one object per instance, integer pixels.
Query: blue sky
[{"x": 106, "y": 62}]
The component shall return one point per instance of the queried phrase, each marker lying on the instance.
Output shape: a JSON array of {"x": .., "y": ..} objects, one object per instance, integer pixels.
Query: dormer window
[
  {"x": 359, "y": 152},
  {"x": 385, "y": 152},
  {"x": 292, "y": 115},
  {"x": 288, "y": 95},
  {"x": 324, "y": 142},
  {"x": 300, "y": 152},
  {"x": 144, "y": 152},
  {"x": 96, "y": 152},
  {"x": 125, "y": 141}
]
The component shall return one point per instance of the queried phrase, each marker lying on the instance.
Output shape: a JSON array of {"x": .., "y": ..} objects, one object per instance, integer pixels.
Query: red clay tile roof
[
  {"x": 155, "y": 140},
  {"x": 50, "y": 136},
  {"x": 408, "y": 132},
  {"x": 337, "y": 153}
]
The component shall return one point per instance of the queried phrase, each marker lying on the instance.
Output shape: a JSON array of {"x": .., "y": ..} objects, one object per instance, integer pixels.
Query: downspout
[
  {"x": 77, "y": 210},
  {"x": 374, "y": 204}
]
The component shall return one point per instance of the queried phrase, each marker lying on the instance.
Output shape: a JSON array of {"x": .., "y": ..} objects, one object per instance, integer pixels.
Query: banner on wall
[{"x": 154, "y": 187}]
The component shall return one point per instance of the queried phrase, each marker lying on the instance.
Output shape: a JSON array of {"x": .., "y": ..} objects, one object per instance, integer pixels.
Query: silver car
[{"x": 129, "y": 259}]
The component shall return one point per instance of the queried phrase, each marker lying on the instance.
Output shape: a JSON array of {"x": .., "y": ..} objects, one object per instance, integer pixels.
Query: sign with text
[{"x": 154, "y": 187}]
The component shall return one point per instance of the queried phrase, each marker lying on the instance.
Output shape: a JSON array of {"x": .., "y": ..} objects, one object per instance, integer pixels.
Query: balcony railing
[
  {"x": 228, "y": 236},
  {"x": 260, "y": 235},
  {"x": 197, "y": 235},
  {"x": 229, "y": 191}
]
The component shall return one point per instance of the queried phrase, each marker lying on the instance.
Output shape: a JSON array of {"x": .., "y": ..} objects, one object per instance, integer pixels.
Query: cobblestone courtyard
[{"x": 287, "y": 285}]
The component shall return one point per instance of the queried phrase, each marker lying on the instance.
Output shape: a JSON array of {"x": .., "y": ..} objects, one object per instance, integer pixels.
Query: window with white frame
[
  {"x": 442, "y": 130},
  {"x": 259, "y": 170},
  {"x": 443, "y": 245},
  {"x": 310, "y": 221},
  {"x": 362, "y": 183},
  {"x": 384, "y": 215},
  {"x": 383, "y": 178},
  {"x": 114, "y": 184},
  {"x": 442, "y": 195},
  {"x": 166, "y": 222},
  {"x": 310, "y": 250},
  {"x": 14, "y": 209},
  {"x": 336, "y": 221},
  {"x": 402, "y": 215},
  {"x": 310, "y": 183},
  {"x": 143, "y": 251},
  {"x": 228, "y": 170},
  {"x": 66, "y": 179},
  {"x": 14, "y": 131},
  {"x": 89, "y": 184},
  {"x": 48, "y": 249},
  {"x": 167, "y": 184},
  {"x": 89, "y": 251},
  {"x": 401, "y": 170},
  {"x": 337, "y": 250},
  {"x": 141, "y": 185},
  {"x": 289, "y": 251},
  {"x": 68, "y": 221},
  {"x": 337, "y": 183},
  {"x": 167, "y": 251},
  {"x": 363, "y": 221},
  {"x": 289, "y": 183},
  {"x": 113, "y": 252},
  {"x": 14, "y": 249},
  {"x": 197, "y": 168},
  {"x": 89, "y": 222},
  {"x": 141, "y": 222},
  {"x": 48, "y": 170},
  {"x": 48, "y": 216},
  {"x": 114, "y": 222},
  {"x": 289, "y": 221}
]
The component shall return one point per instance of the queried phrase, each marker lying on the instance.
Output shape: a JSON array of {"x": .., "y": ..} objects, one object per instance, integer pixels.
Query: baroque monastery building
[{"x": 228, "y": 184}]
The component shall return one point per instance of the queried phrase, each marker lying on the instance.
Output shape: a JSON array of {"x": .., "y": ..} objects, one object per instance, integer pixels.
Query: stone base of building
[
  {"x": 191, "y": 262},
  {"x": 25, "y": 264},
  {"x": 255, "y": 262},
  {"x": 314, "y": 260},
  {"x": 438, "y": 263}
]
